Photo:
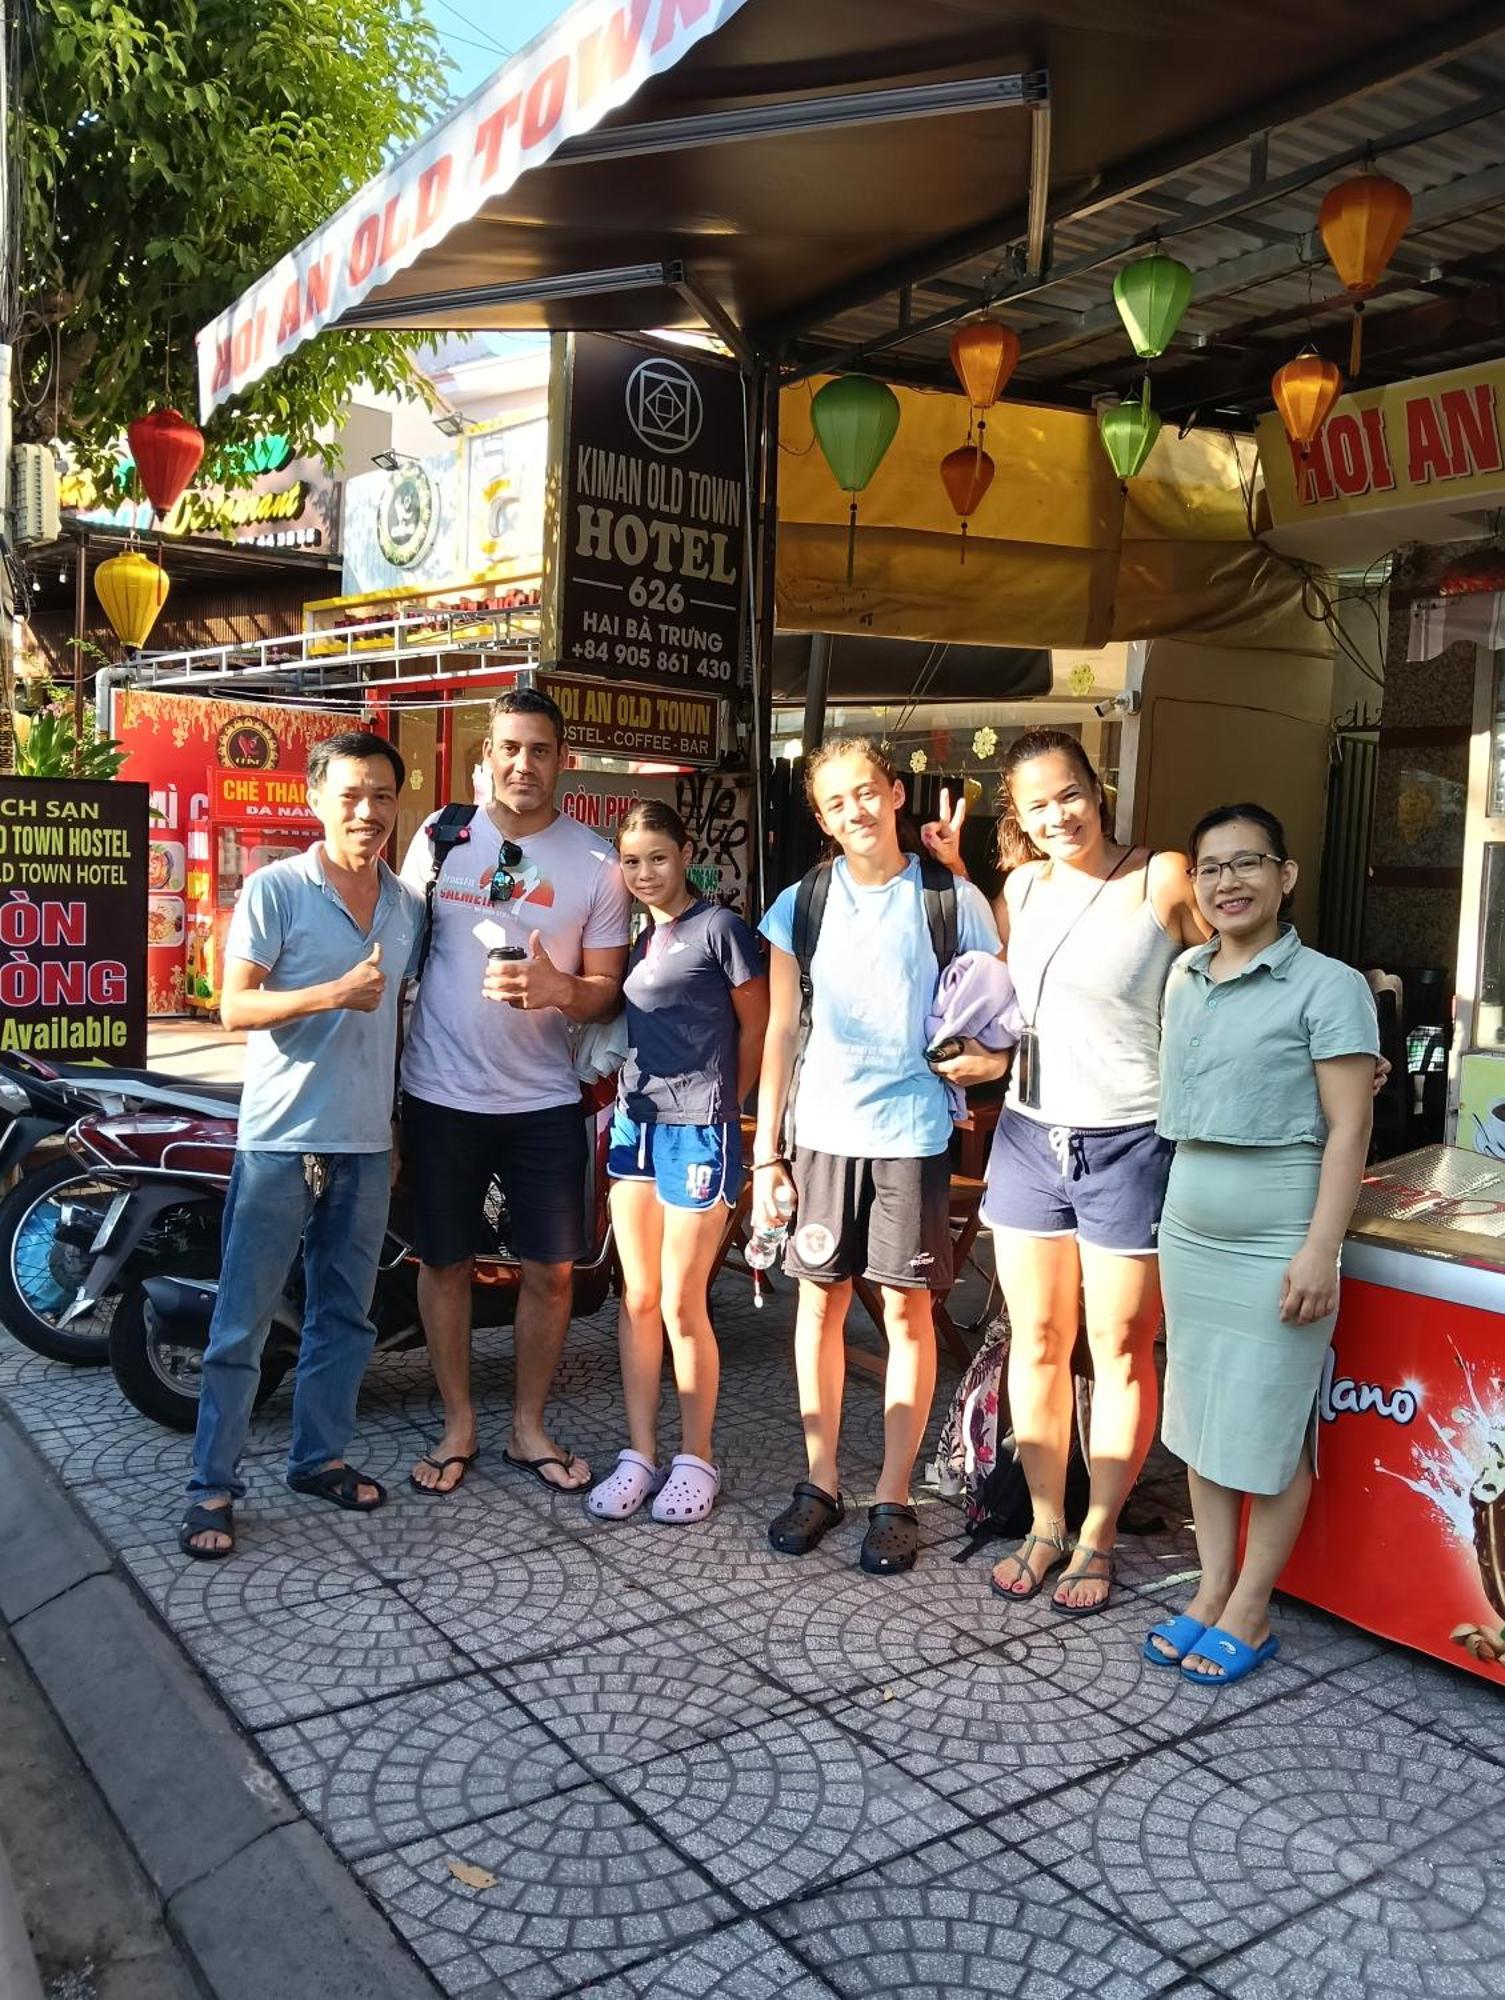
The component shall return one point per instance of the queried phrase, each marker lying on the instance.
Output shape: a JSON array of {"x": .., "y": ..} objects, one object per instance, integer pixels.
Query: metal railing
[{"x": 374, "y": 642}]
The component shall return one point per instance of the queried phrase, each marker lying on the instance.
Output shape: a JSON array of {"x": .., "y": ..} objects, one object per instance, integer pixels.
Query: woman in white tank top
[{"x": 1077, "y": 1173}]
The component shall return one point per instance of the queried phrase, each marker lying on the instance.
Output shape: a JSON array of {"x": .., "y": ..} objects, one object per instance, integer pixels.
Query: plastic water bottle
[{"x": 765, "y": 1245}]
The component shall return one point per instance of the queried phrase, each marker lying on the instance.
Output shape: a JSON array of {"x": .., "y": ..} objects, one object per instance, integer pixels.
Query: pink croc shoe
[
  {"x": 690, "y": 1491},
  {"x": 624, "y": 1489}
]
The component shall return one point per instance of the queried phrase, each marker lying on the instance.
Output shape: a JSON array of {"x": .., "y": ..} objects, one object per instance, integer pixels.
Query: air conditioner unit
[{"x": 33, "y": 487}]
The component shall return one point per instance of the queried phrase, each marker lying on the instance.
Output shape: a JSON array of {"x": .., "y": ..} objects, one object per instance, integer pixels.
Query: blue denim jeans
[{"x": 269, "y": 1210}]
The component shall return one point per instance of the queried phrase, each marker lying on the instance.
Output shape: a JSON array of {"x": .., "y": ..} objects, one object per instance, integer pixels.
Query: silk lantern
[
  {"x": 855, "y": 418},
  {"x": 1151, "y": 295},
  {"x": 1129, "y": 431},
  {"x": 1360, "y": 222},
  {"x": 132, "y": 590},
  {"x": 168, "y": 451},
  {"x": 984, "y": 354},
  {"x": 967, "y": 473},
  {"x": 1305, "y": 390}
]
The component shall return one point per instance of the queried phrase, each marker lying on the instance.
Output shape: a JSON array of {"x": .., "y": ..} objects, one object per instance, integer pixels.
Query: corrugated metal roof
[{"x": 1262, "y": 277}]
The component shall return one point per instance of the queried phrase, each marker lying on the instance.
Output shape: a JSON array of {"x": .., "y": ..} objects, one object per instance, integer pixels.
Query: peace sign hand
[{"x": 943, "y": 836}]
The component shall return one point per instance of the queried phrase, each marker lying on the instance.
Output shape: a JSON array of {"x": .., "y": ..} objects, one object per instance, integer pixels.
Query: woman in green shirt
[{"x": 1266, "y": 1079}]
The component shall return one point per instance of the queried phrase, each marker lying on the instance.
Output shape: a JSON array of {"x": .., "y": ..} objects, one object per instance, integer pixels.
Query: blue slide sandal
[
  {"x": 1238, "y": 1659},
  {"x": 1182, "y": 1633}
]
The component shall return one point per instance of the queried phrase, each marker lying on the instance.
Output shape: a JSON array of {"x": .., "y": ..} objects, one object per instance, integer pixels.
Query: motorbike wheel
[
  {"x": 39, "y": 1275},
  {"x": 159, "y": 1376}
]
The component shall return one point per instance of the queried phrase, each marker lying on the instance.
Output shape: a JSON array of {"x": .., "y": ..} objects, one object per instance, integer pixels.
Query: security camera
[{"x": 1126, "y": 703}]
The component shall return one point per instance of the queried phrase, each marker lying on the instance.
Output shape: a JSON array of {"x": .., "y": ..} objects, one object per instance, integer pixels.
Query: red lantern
[
  {"x": 168, "y": 451},
  {"x": 967, "y": 473},
  {"x": 1482, "y": 570}
]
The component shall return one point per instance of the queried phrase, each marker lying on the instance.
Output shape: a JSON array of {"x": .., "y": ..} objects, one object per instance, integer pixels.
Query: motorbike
[
  {"x": 159, "y": 1327},
  {"x": 51, "y": 1217}
]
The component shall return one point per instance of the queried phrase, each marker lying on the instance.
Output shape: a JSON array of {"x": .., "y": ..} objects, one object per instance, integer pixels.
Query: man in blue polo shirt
[{"x": 319, "y": 946}]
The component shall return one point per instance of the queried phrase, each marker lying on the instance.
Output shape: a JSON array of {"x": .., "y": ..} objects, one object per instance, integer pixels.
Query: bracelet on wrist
[{"x": 777, "y": 1160}]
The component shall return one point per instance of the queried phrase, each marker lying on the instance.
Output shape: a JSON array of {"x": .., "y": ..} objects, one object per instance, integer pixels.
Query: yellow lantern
[
  {"x": 1360, "y": 222},
  {"x": 1305, "y": 390},
  {"x": 132, "y": 590}
]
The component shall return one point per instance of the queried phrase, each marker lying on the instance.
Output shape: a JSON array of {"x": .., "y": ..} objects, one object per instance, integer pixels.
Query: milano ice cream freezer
[{"x": 1406, "y": 1531}]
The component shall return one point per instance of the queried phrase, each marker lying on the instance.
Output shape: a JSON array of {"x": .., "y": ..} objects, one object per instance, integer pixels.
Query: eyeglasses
[
  {"x": 1242, "y": 867},
  {"x": 503, "y": 884}
]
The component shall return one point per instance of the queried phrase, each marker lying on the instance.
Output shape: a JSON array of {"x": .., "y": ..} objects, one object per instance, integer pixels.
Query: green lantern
[
  {"x": 1129, "y": 431},
  {"x": 1151, "y": 295},
  {"x": 855, "y": 418}
]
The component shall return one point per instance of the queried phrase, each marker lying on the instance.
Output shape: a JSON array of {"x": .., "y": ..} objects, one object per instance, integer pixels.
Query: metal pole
[
  {"x": 766, "y": 403},
  {"x": 80, "y": 564},
  {"x": 817, "y": 676}
]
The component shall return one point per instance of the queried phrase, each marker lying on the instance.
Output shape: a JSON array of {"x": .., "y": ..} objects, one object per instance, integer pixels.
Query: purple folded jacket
[{"x": 975, "y": 998}]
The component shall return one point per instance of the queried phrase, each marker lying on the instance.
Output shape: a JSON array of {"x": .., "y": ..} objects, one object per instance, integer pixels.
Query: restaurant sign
[
  {"x": 644, "y": 724},
  {"x": 1437, "y": 439},
  {"x": 73, "y": 865},
  {"x": 649, "y": 579}
]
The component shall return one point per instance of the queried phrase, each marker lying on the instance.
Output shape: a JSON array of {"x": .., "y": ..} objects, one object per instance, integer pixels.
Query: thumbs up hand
[
  {"x": 527, "y": 983},
  {"x": 362, "y": 987}
]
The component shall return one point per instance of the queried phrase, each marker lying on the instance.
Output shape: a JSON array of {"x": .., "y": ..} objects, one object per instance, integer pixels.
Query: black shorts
[
  {"x": 885, "y": 1220},
  {"x": 538, "y": 1156}
]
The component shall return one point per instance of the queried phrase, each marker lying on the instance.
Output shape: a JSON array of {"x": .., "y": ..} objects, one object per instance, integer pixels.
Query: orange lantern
[
  {"x": 1360, "y": 222},
  {"x": 967, "y": 473},
  {"x": 1305, "y": 390},
  {"x": 984, "y": 354}
]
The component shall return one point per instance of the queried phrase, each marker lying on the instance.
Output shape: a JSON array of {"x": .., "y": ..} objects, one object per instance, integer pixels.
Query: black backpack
[
  {"x": 449, "y": 831},
  {"x": 938, "y": 886}
]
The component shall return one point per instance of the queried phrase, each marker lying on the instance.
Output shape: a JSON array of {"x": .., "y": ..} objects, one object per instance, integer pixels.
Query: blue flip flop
[
  {"x": 1240, "y": 1660},
  {"x": 1182, "y": 1633}
]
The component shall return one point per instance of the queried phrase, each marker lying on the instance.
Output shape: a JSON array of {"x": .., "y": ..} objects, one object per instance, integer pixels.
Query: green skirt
[{"x": 1240, "y": 1383}]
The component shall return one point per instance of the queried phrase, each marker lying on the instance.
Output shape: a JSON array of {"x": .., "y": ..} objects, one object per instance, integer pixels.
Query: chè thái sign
[
  {"x": 73, "y": 874},
  {"x": 650, "y": 569}
]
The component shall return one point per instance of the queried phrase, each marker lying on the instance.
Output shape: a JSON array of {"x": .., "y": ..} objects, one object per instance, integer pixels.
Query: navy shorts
[
  {"x": 690, "y": 1166},
  {"x": 539, "y": 1158},
  {"x": 1106, "y": 1188}
]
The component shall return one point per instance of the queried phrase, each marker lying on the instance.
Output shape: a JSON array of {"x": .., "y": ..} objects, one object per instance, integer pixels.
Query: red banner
[{"x": 563, "y": 83}]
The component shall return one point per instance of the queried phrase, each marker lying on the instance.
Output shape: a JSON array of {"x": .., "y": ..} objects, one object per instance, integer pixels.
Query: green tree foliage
[{"x": 169, "y": 152}]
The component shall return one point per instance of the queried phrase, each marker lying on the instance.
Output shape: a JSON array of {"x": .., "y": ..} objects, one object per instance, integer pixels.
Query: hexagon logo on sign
[{"x": 663, "y": 406}]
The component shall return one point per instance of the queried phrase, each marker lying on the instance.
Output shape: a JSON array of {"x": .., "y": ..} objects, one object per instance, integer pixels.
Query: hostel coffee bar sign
[
  {"x": 650, "y": 571},
  {"x": 73, "y": 867},
  {"x": 605, "y": 720}
]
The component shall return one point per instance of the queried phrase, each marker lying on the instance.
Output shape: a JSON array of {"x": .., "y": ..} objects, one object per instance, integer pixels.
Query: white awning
[{"x": 583, "y": 66}]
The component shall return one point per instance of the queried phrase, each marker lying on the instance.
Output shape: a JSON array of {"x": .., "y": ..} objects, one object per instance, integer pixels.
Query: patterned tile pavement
[{"x": 637, "y": 1761}]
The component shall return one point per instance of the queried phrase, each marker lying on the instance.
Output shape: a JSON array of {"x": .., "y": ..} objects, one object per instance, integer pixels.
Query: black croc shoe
[
  {"x": 811, "y": 1514},
  {"x": 892, "y": 1540}
]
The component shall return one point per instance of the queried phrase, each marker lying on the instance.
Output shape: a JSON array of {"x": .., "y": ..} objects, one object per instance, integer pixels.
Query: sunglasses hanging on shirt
[{"x": 503, "y": 883}]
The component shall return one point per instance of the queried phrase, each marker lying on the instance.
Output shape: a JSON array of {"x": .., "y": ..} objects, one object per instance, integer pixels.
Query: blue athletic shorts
[
  {"x": 1106, "y": 1188},
  {"x": 691, "y": 1166}
]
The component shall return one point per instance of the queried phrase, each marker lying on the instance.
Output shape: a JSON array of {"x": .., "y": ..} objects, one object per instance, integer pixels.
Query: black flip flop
[
  {"x": 341, "y": 1485},
  {"x": 441, "y": 1466},
  {"x": 201, "y": 1520},
  {"x": 892, "y": 1540},
  {"x": 536, "y": 1466},
  {"x": 810, "y": 1515}
]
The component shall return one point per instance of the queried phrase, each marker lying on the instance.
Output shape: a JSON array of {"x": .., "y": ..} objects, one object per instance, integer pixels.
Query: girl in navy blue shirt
[{"x": 697, "y": 1006}]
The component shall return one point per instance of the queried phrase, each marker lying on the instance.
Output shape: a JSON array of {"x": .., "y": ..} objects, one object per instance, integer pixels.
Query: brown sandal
[{"x": 1020, "y": 1556}]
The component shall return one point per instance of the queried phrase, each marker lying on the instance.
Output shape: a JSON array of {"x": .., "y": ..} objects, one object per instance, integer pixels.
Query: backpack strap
[
  {"x": 809, "y": 909},
  {"x": 449, "y": 831},
  {"x": 942, "y": 912}
]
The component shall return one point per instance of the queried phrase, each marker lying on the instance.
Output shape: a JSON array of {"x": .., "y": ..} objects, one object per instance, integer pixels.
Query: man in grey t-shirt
[{"x": 318, "y": 949}]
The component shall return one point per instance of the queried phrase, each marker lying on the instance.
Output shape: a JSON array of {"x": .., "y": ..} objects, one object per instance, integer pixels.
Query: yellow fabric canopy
[{"x": 1056, "y": 554}]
